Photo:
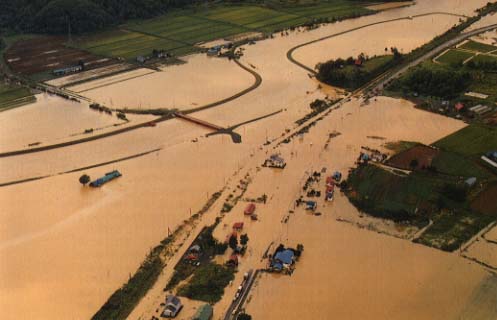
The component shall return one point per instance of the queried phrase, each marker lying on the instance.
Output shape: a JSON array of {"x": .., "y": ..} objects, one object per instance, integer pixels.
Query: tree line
[
  {"x": 443, "y": 83},
  {"x": 84, "y": 16},
  {"x": 78, "y": 16}
]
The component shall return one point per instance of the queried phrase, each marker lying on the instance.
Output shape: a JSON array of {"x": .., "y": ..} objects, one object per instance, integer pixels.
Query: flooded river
[{"x": 65, "y": 248}]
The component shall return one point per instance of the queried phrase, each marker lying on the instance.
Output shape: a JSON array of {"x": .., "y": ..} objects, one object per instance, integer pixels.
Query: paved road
[
  {"x": 389, "y": 77},
  {"x": 236, "y": 305}
]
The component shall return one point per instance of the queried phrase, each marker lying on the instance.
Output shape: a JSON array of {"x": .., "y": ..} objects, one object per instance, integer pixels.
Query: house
[
  {"x": 358, "y": 62},
  {"x": 470, "y": 181},
  {"x": 275, "y": 161},
  {"x": 173, "y": 307},
  {"x": 233, "y": 261},
  {"x": 238, "y": 226},
  {"x": 480, "y": 109},
  {"x": 64, "y": 71},
  {"x": 283, "y": 260},
  {"x": 490, "y": 158},
  {"x": 311, "y": 205},
  {"x": 329, "y": 181},
  {"x": 214, "y": 51},
  {"x": 330, "y": 191},
  {"x": 205, "y": 312},
  {"x": 250, "y": 209},
  {"x": 459, "y": 106}
]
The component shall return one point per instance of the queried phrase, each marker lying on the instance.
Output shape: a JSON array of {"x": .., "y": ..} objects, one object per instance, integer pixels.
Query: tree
[
  {"x": 244, "y": 316},
  {"x": 84, "y": 179},
  {"x": 244, "y": 239},
  {"x": 233, "y": 242}
]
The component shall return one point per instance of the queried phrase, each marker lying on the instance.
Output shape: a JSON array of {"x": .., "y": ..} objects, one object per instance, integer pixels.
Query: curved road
[
  {"x": 255, "y": 85},
  {"x": 290, "y": 57},
  {"x": 380, "y": 81}
]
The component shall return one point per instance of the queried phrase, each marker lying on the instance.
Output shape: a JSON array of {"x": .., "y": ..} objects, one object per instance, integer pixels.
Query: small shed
[{"x": 173, "y": 307}]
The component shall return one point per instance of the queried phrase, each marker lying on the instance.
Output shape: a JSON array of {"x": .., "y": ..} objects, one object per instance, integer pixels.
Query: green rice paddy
[
  {"x": 13, "y": 96},
  {"x": 180, "y": 32}
]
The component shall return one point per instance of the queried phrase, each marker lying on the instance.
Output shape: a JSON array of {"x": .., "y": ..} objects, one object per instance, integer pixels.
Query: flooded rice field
[
  {"x": 484, "y": 251},
  {"x": 83, "y": 244},
  {"x": 49, "y": 120},
  {"x": 200, "y": 81},
  {"x": 405, "y": 35}
]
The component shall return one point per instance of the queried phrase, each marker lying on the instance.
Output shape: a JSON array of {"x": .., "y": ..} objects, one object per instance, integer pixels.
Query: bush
[{"x": 208, "y": 283}]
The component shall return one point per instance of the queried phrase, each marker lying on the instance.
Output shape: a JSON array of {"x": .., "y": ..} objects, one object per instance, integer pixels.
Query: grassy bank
[{"x": 14, "y": 96}]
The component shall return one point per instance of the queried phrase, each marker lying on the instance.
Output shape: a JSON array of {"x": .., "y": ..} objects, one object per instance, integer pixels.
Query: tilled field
[{"x": 45, "y": 54}]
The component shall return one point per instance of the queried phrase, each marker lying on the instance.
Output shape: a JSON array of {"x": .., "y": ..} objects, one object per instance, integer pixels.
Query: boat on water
[{"x": 108, "y": 177}]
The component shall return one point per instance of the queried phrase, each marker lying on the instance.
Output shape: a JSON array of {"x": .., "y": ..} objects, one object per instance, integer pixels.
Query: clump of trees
[
  {"x": 443, "y": 83},
  {"x": 352, "y": 73},
  {"x": 208, "y": 283},
  {"x": 485, "y": 65}
]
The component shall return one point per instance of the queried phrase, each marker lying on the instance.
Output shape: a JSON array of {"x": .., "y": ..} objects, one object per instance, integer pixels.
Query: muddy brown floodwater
[
  {"x": 65, "y": 248},
  {"x": 200, "y": 81}
]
